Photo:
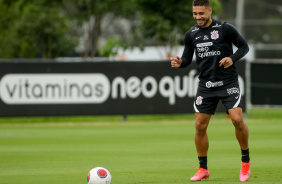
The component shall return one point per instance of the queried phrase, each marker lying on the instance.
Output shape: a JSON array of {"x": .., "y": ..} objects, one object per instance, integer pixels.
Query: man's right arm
[{"x": 188, "y": 52}]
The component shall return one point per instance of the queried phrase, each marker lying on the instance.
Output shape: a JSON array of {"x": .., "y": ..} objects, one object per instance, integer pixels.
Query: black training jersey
[{"x": 210, "y": 45}]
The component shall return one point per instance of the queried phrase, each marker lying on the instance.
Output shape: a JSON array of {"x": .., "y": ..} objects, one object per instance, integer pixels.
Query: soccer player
[{"x": 212, "y": 42}]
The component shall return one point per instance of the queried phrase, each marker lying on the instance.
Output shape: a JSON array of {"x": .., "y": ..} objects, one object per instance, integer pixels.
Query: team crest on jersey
[
  {"x": 214, "y": 35},
  {"x": 199, "y": 100}
]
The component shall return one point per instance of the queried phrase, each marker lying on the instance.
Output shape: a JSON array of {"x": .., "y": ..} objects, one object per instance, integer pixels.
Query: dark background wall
[{"x": 89, "y": 88}]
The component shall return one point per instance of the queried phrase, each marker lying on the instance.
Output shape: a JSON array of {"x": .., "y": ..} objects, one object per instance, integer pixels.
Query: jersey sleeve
[
  {"x": 232, "y": 35},
  {"x": 188, "y": 52}
]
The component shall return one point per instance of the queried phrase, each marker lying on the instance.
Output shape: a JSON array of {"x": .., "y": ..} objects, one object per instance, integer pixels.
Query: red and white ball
[{"x": 99, "y": 175}]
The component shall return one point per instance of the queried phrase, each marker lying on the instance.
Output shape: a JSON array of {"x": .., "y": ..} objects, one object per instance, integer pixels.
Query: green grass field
[{"x": 142, "y": 150}]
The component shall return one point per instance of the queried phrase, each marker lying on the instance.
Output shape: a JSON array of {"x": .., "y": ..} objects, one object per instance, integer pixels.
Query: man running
[{"x": 212, "y": 42}]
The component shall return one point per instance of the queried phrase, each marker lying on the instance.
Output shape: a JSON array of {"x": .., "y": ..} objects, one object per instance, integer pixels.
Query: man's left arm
[
  {"x": 238, "y": 41},
  {"x": 232, "y": 34}
]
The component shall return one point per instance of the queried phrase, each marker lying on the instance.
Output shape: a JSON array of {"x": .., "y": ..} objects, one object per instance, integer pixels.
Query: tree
[
  {"x": 7, "y": 19},
  {"x": 34, "y": 29},
  {"x": 92, "y": 13},
  {"x": 165, "y": 23},
  {"x": 110, "y": 48},
  {"x": 50, "y": 28},
  {"x": 155, "y": 23}
]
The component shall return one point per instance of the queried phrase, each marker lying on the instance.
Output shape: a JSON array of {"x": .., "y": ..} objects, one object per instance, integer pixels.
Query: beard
[{"x": 202, "y": 22}]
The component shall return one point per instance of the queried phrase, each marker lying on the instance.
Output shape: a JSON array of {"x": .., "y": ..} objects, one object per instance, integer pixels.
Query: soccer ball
[{"x": 99, "y": 175}]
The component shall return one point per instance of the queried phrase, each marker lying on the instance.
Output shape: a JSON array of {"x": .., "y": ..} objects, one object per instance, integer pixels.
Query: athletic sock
[
  {"x": 203, "y": 162},
  {"x": 245, "y": 155}
]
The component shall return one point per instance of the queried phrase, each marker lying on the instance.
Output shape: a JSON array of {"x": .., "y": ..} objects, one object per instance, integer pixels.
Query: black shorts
[{"x": 207, "y": 98}]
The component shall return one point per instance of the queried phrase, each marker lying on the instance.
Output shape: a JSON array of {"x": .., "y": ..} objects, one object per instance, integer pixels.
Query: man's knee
[
  {"x": 236, "y": 117},
  {"x": 201, "y": 127},
  {"x": 202, "y": 122},
  {"x": 237, "y": 121}
]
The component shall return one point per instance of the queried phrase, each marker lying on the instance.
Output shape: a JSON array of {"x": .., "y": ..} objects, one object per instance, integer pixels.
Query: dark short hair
[{"x": 201, "y": 3}]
